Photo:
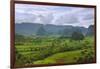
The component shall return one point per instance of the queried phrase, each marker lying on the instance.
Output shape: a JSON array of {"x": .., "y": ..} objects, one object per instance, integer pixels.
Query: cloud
[
  {"x": 88, "y": 17},
  {"x": 44, "y": 19},
  {"x": 23, "y": 17},
  {"x": 66, "y": 20},
  {"x": 76, "y": 16}
]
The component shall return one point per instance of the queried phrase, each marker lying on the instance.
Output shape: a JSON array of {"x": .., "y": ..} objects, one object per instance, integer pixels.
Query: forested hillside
[{"x": 43, "y": 48}]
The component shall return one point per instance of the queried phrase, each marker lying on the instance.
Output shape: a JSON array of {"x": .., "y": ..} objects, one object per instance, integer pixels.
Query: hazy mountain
[
  {"x": 90, "y": 30},
  {"x": 35, "y": 29}
]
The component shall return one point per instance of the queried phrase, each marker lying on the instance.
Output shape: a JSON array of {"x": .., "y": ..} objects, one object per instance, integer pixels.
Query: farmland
[{"x": 34, "y": 50}]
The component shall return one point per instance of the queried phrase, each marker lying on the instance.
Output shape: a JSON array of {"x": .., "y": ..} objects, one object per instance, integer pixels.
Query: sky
[{"x": 57, "y": 15}]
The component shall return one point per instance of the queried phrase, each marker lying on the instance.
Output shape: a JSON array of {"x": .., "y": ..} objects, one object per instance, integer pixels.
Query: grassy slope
[{"x": 65, "y": 57}]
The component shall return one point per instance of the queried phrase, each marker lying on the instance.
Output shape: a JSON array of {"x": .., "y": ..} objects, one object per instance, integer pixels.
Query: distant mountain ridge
[
  {"x": 90, "y": 30},
  {"x": 33, "y": 29}
]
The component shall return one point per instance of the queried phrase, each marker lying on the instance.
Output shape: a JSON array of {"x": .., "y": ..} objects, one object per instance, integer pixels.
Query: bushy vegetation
[
  {"x": 77, "y": 36},
  {"x": 49, "y": 50}
]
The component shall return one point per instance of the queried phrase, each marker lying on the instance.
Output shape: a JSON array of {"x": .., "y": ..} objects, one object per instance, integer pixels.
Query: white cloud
[{"x": 75, "y": 16}]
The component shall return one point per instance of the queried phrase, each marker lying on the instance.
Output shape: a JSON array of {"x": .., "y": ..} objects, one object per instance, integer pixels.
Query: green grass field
[{"x": 50, "y": 50}]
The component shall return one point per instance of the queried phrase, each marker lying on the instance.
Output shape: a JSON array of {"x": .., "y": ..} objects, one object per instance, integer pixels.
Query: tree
[
  {"x": 41, "y": 31},
  {"x": 86, "y": 56},
  {"x": 19, "y": 39},
  {"x": 77, "y": 36}
]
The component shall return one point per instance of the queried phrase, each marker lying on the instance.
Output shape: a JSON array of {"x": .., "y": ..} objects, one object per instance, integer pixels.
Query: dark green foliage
[
  {"x": 66, "y": 45},
  {"x": 77, "y": 36},
  {"x": 86, "y": 56},
  {"x": 36, "y": 48}
]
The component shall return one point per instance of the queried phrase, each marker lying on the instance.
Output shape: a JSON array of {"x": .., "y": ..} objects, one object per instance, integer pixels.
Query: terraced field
[{"x": 32, "y": 51}]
